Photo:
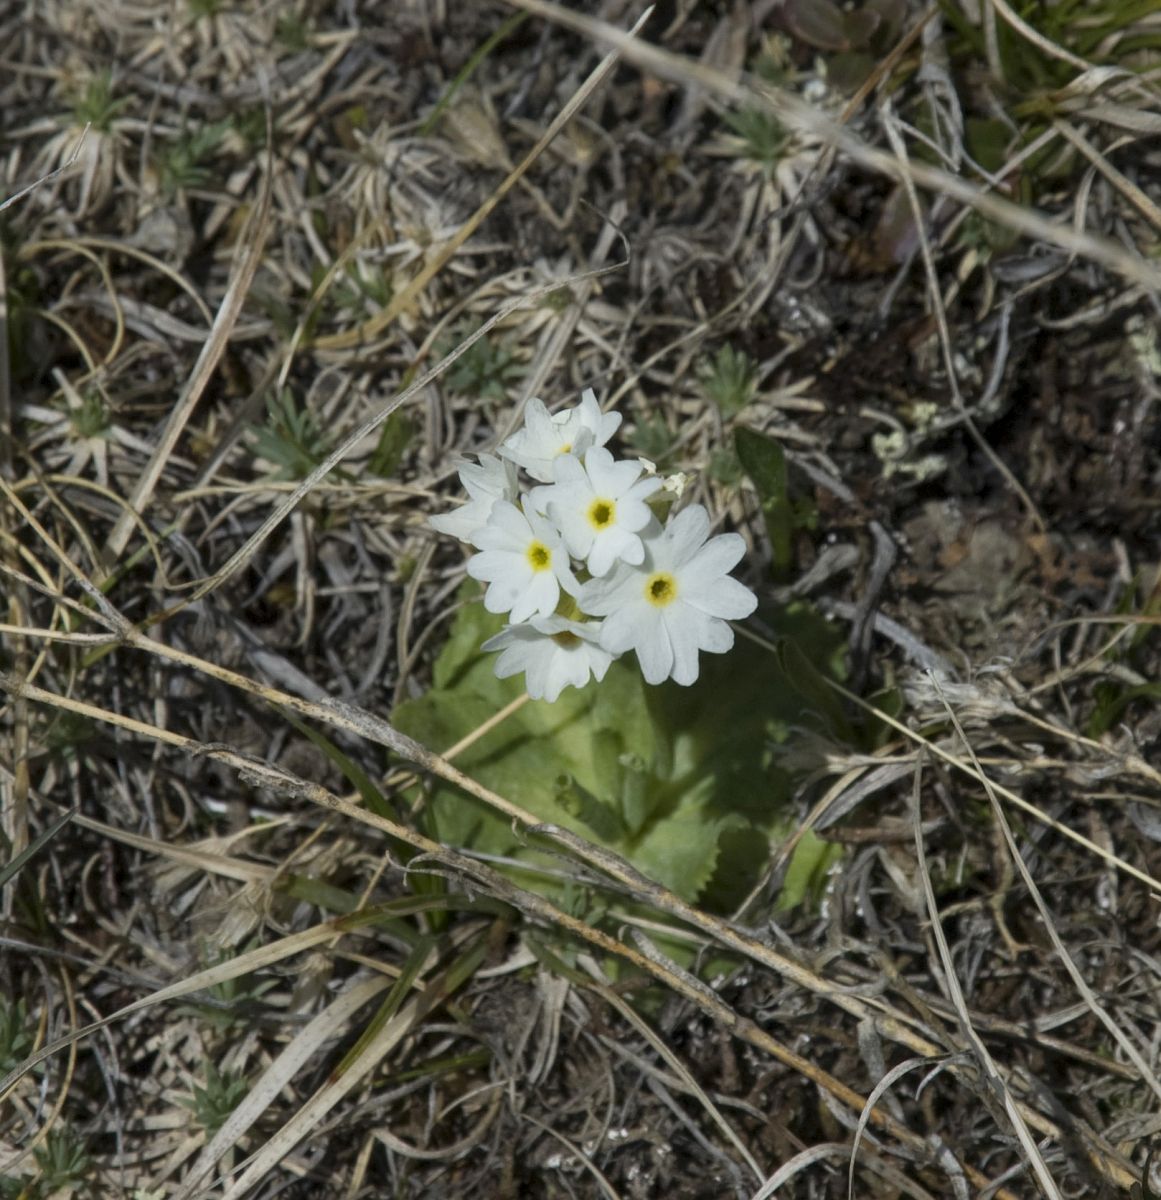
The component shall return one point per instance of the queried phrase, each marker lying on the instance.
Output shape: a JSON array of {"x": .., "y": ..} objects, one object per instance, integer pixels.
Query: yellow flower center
[
  {"x": 566, "y": 638},
  {"x": 539, "y": 556},
  {"x": 661, "y": 589},
  {"x": 601, "y": 514}
]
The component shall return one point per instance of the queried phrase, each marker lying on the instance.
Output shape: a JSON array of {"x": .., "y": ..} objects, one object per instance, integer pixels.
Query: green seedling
[
  {"x": 212, "y": 1102},
  {"x": 486, "y": 369},
  {"x": 96, "y": 106},
  {"x": 292, "y": 438},
  {"x": 729, "y": 379},
  {"x": 16, "y": 1037},
  {"x": 184, "y": 162},
  {"x": 90, "y": 419},
  {"x": 63, "y": 1161},
  {"x": 761, "y": 137}
]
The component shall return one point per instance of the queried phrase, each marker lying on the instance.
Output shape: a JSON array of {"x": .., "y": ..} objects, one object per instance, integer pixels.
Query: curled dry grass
[{"x": 229, "y": 971}]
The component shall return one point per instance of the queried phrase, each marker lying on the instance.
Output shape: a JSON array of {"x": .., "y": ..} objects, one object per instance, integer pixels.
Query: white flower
[
  {"x": 494, "y": 479},
  {"x": 553, "y": 652},
  {"x": 677, "y": 602},
  {"x": 599, "y": 507},
  {"x": 524, "y": 562},
  {"x": 571, "y": 431}
]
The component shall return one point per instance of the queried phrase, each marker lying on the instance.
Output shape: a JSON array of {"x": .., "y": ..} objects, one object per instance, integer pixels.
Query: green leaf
[
  {"x": 395, "y": 437},
  {"x": 764, "y": 462},
  {"x": 1112, "y": 701},
  {"x": 485, "y": 368},
  {"x": 352, "y": 772},
  {"x": 659, "y": 775},
  {"x": 812, "y": 688},
  {"x": 542, "y": 755},
  {"x": 292, "y": 439},
  {"x": 13, "y": 868},
  {"x": 762, "y": 137},
  {"x": 600, "y": 817},
  {"x": 806, "y": 874},
  {"x": 988, "y": 140},
  {"x": 685, "y": 783},
  {"x": 652, "y": 437}
]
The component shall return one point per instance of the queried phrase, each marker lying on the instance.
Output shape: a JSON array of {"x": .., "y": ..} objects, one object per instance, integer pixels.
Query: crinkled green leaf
[
  {"x": 597, "y": 815},
  {"x": 681, "y": 781},
  {"x": 806, "y": 873},
  {"x": 541, "y": 755}
]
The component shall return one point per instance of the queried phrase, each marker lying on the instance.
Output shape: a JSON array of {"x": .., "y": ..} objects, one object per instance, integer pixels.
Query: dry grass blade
[
  {"x": 380, "y": 322},
  {"x": 456, "y": 1150},
  {"x": 306, "y": 1044},
  {"x": 897, "y": 1072},
  {"x": 251, "y": 240},
  {"x": 190, "y": 856},
  {"x": 643, "y": 1028},
  {"x": 287, "y": 505},
  {"x": 243, "y": 964},
  {"x": 533, "y": 905},
  {"x": 7, "y": 428},
  {"x": 16, "y": 197},
  {"x": 106, "y": 613},
  {"x": 580, "y": 1156},
  {"x": 797, "y": 115},
  {"x": 1012, "y": 797},
  {"x": 1134, "y": 194},
  {"x": 1126, "y": 1043},
  {"x": 937, "y": 307},
  {"x": 659, "y": 898},
  {"x": 618, "y": 869},
  {"x": 798, "y": 1164},
  {"x": 1037, "y": 39},
  {"x": 992, "y": 1087},
  {"x": 370, "y": 1056},
  {"x": 366, "y": 725},
  {"x": 885, "y": 304}
]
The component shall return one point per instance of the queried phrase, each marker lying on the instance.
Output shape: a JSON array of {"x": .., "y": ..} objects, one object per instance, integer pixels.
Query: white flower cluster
[{"x": 663, "y": 592}]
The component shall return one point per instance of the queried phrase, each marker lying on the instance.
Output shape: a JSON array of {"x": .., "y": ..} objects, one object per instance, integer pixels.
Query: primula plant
[
  {"x": 583, "y": 566},
  {"x": 578, "y": 558}
]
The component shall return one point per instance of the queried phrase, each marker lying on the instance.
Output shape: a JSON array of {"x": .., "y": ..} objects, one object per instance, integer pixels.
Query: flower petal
[
  {"x": 686, "y": 532},
  {"x": 536, "y": 675},
  {"x": 722, "y": 597},
  {"x": 507, "y": 528},
  {"x": 599, "y": 661},
  {"x": 613, "y": 545},
  {"x": 463, "y": 522},
  {"x": 718, "y": 556},
  {"x": 514, "y": 659},
  {"x": 610, "y": 478},
  {"x": 490, "y": 564},
  {"x": 620, "y": 631},
  {"x": 500, "y": 597},
  {"x": 538, "y": 597},
  {"x": 655, "y": 651},
  {"x": 713, "y": 635},
  {"x": 621, "y": 587},
  {"x": 602, "y": 425}
]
